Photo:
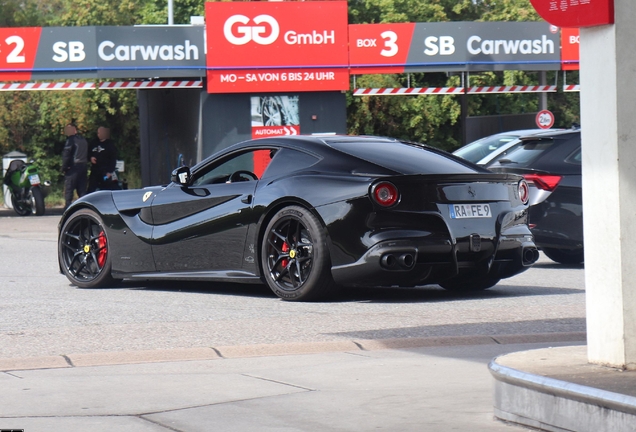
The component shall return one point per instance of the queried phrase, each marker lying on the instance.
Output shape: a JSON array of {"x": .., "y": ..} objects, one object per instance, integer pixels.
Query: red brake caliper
[
  {"x": 285, "y": 261},
  {"x": 103, "y": 251}
]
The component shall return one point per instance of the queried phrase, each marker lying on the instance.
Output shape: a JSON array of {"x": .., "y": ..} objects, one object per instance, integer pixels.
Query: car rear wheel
[
  {"x": 470, "y": 283},
  {"x": 83, "y": 250},
  {"x": 564, "y": 256},
  {"x": 294, "y": 256}
]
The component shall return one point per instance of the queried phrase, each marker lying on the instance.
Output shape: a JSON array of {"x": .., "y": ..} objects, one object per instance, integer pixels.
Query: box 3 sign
[
  {"x": 453, "y": 46},
  {"x": 277, "y": 46}
]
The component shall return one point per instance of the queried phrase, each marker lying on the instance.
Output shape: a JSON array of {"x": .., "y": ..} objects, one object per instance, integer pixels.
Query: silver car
[{"x": 487, "y": 149}]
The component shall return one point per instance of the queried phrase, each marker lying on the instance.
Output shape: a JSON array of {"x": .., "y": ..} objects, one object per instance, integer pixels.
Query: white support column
[{"x": 608, "y": 121}]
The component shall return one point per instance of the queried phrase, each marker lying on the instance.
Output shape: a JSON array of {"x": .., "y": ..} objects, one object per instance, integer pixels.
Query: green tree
[
  {"x": 435, "y": 119},
  {"x": 32, "y": 122},
  {"x": 507, "y": 10}
]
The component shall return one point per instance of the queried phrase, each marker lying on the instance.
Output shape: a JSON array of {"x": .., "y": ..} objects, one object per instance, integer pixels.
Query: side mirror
[{"x": 181, "y": 176}]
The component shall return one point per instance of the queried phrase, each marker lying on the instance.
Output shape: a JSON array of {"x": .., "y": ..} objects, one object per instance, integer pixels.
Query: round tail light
[
  {"x": 385, "y": 194},
  {"x": 524, "y": 191}
]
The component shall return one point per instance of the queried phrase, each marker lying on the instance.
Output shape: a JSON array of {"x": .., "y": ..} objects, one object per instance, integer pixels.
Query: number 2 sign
[
  {"x": 545, "y": 119},
  {"x": 18, "y": 47}
]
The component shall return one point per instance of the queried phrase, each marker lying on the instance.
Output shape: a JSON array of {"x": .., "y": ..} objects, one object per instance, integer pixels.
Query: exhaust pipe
[
  {"x": 388, "y": 261},
  {"x": 406, "y": 261},
  {"x": 45, "y": 188},
  {"x": 530, "y": 255},
  {"x": 393, "y": 261}
]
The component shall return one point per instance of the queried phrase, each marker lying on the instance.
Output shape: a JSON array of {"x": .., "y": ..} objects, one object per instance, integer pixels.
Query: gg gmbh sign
[{"x": 277, "y": 46}]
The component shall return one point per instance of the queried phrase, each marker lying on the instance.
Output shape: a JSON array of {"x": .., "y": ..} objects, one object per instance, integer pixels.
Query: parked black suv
[{"x": 551, "y": 163}]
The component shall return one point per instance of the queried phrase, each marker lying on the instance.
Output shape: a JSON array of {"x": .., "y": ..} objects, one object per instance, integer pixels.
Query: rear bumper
[
  {"x": 557, "y": 222},
  {"x": 423, "y": 260}
]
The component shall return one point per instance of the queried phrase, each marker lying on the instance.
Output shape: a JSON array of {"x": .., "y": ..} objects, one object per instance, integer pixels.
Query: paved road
[
  {"x": 41, "y": 314},
  {"x": 435, "y": 389}
]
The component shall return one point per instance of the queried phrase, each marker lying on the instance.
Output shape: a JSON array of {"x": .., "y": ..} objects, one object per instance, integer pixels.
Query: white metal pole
[{"x": 170, "y": 13}]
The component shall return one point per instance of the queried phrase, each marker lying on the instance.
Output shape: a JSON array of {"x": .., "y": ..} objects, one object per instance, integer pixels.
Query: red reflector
[
  {"x": 385, "y": 194},
  {"x": 546, "y": 182},
  {"x": 532, "y": 226},
  {"x": 524, "y": 193}
]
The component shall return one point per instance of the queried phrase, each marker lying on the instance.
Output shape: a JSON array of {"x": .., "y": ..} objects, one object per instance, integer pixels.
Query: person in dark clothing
[
  {"x": 74, "y": 164},
  {"x": 103, "y": 157}
]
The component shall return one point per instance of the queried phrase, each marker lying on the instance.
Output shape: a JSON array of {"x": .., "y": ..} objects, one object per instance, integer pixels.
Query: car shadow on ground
[
  {"x": 423, "y": 294},
  {"x": 525, "y": 327},
  {"x": 200, "y": 287},
  {"x": 49, "y": 211},
  {"x": 558, "y": 266},
  {"x": 434, "y": 293}
]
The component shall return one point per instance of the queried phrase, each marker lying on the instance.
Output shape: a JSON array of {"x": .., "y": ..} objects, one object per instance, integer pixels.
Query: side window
[
  {"x": 286, "y": 161},
  {"x": 246, "y": 166},
  {"x": 575, "y": 157}
]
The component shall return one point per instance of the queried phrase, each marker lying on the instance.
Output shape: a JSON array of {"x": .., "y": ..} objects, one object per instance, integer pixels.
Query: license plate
[
  {"x": 34, "y": 179},
  {"x": 460, "y": 211}
]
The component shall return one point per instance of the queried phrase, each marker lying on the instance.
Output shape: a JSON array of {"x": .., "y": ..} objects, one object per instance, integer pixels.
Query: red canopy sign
[
  {"x": 277, "y": 46},
  {"x": 570, "y": 49},
  {"x": 575, "y": 13},
  {"x": 18, "y": 47},
  {"x": 379, "y": 48}
]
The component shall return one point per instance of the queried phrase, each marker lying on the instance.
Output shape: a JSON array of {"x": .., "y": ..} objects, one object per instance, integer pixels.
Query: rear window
[
  {"x": 403, "y": 158},
  {"x": 525, "y": 154}
]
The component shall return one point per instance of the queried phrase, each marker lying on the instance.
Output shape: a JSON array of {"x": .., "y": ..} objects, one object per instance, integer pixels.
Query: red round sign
[
  {"x": 575, "y": 13},
  {"x": 545, "y": 119}
]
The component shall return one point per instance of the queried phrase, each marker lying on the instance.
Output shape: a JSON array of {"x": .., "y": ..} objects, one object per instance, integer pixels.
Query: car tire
[
  {"x": 467, "y": 284},
  {"x": 295, "y": 257},
  {"x": 83, "y": 250},
  {"x": 564, "y": 256}
]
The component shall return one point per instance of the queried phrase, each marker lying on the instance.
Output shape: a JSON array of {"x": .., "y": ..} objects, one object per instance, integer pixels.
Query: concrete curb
[
  {"x": 568, "y": 390},
  {"x": 245, "y": 351},
  {"x": 526, "y": 394}
]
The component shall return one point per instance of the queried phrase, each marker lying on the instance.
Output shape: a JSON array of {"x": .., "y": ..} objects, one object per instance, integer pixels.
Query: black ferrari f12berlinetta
[{"x": 305, "y": 215}]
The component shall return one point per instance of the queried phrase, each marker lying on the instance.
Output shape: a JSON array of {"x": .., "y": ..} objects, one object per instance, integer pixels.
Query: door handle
[{"x": 246, "y": 199}]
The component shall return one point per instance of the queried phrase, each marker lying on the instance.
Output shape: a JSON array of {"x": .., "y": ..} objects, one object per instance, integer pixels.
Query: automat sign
[{"x": 274, "y": 47}]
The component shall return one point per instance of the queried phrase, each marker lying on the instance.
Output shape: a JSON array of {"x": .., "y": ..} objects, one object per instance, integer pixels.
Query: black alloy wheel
[
  {"x": 83, "y": 250},
  {"x": 294, "y": 256}
]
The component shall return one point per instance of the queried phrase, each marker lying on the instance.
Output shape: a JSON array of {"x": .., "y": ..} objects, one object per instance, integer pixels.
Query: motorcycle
[{"x": 27, "y": 191}]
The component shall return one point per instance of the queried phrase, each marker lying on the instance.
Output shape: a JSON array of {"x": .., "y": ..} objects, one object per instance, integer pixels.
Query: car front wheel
[
  {"x": 294, "y": 256},
  {"x": 83, "y": 250}
]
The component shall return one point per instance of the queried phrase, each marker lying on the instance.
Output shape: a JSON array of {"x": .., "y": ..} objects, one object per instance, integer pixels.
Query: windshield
[{"x": 477, "y": 150}]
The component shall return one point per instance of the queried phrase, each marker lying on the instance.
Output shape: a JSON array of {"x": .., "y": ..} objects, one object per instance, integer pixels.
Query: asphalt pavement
[{"x": 413, "y": 384}]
